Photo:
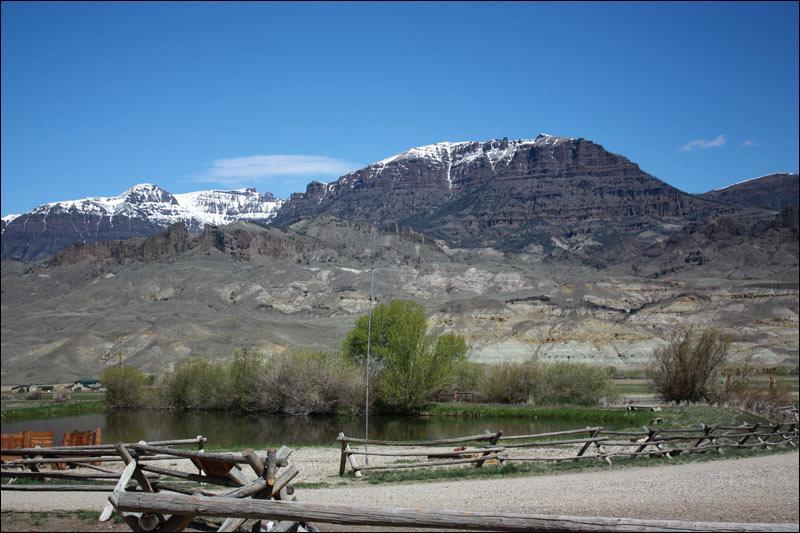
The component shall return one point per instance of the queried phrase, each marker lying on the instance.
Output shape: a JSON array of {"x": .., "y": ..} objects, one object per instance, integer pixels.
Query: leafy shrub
[
  {"x": 34, "y": 395},
  {"x": 738, "y": 383},
  {"x": 681, "y": 370},
  {"x": 306, "y": 382},
  {"x": 512, "y": 382},
  {"x": 466, "y": 375},
  {"x": 246, "y": 371},
  {"x": 197, "y": 383},
  {"x": 559, "y": 383},
  {"x": 62, "y": 395},
  {"x": 575, "y": 384},
  {"x": 126, "y": 387}
]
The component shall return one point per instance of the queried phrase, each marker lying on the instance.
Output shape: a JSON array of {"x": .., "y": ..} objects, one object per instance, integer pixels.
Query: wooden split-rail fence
[
  {"x": 593, "y": 443},
  {"x": 142, "y": 474},
  {"x": 147, "y": 501}
]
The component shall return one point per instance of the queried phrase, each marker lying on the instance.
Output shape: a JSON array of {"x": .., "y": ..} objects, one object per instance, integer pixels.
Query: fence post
[
  {"x": 343, "y": 460},
  {"x": 492, "y": 442},
  {"x": 592, "y": 434},
  {"x": 747, "y": 437},
  {"x": 646, "y": 442},
  {"x": 790, "y": 433}
]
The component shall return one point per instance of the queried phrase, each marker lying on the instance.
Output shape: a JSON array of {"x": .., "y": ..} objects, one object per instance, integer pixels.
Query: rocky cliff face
[
  {"x": 549, "y": 191},
  {"x": 774, "y": 191},
  {"x": 160, "y": 299},
  {"x": 140, "y": 211}
]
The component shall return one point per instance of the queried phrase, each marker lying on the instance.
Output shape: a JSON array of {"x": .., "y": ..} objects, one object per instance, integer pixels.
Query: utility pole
[{"x": 366, "y": 359}]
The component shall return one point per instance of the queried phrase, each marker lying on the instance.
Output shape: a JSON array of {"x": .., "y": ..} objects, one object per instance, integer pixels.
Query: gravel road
[{"x": 756, "y": 489}]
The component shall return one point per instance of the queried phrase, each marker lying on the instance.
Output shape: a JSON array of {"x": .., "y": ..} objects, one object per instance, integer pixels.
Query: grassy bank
[
  {"x": 17, "y": 413},
  {"x": 581, "y": 415}
]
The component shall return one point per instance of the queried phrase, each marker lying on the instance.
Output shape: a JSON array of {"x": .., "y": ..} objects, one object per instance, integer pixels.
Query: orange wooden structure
[{"x": 26, "y": 439}]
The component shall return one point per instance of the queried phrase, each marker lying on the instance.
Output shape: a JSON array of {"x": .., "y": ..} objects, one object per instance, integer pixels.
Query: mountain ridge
[
  {"x": 512, "y": 195},
  {"x": 141, "y": 210}
]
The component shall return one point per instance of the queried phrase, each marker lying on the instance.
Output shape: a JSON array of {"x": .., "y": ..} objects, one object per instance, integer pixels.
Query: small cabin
[{"x": 23, "y": 388}]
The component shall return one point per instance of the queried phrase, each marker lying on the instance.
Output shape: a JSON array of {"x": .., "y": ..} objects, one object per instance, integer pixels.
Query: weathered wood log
[
  {"x": 455, "y": 440},
  {"x": 95, "y": 467},
  {"x": 270, "y": 470},
  {"x": 591, "y": 440},
  {"x": 399, "y": 517},
  {"x": 433, "y": 463},
  {"x": 492, "y": 442},
  {"x": 211, "y": 480},
  {"x": 65, "y": 488},
  {"x": 138, "y": 475},
  {"x": 556, "y": 442},
  {"x": 61, "y": 475},
  {"x": 466, "y": 451},
  {"x": 512, "y": 458},
  {"x": 127, "y": 473},
  {"x": 188, "y": 454},
  {"x": 343, "y": 456},
  {"x": 352, "y": 461},
  {"x": 743, "y": 426},
  {"x": 258, "y": 491},
  {"x": 254, "y": 461},
  {"x": 282, "y": 456},
  {"x": 95, "y": 448},
  {"x": 171, "y": 487},
  {"x": 85, "y": 459},
  {"x": 551, "y": 434}
]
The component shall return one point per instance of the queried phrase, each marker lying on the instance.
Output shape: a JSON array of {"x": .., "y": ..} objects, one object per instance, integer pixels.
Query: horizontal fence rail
[
  {"x": 589, "y": 443},
  {"x": 180, "y": 505}
]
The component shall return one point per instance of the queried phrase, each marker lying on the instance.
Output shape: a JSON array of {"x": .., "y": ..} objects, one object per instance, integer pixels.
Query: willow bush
[
  {"x": 512, "y": 382},
  {"x": 411, "y": 363},
  {"x": 126, "y": 387},
  {"x": 532, "y": 382},
  {"x": 683, "y": 369},
  {"x": 306, "y": 382}
]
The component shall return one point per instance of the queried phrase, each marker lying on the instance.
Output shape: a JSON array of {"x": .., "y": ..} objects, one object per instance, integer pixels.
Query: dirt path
[{"x": 757, "y": 489}]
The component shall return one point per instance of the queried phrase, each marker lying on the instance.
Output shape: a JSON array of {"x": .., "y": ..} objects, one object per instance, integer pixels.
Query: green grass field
[{"x": 15, "y": 410}]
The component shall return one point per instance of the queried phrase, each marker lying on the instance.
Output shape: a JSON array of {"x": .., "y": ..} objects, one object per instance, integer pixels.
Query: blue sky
[{"x": 97, "y": 97}]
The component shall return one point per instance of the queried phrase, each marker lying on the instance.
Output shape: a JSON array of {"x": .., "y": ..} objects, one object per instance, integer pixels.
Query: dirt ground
[{"x": 756, "y": 489}]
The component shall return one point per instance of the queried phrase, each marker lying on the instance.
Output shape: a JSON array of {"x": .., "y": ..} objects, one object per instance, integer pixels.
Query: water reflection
[{"x": 254, "y": 430}]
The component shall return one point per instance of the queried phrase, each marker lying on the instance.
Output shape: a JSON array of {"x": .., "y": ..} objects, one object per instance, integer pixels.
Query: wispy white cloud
[
  {"x": 702, "y": 144},
  {"x": 750, "y": 143},
  {"x": 259, "y": 168}
]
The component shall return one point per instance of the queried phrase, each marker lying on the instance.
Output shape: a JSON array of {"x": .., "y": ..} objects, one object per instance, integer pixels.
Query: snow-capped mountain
[
  {"x": 5, "y": 220},
  {"x": 508, "y": 194},
  {"x": 142, "y": 210}
]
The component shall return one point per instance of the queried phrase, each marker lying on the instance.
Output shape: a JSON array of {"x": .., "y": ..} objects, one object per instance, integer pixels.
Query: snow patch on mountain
[
  {"x": 458, "y": 153},
  {"x": 151, "y": 202},
  {"x": 754, "y": 179}
]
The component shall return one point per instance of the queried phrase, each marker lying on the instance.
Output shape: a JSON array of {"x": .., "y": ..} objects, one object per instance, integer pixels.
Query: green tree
[
  {"x": 412, "y": 364},
  {"x": 126, "y": 386}
]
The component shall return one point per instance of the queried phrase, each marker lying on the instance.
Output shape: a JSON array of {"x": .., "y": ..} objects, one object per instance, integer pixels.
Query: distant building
[
  {"x": 23, "y": 388},
  {"x": 83, "y": 385}
]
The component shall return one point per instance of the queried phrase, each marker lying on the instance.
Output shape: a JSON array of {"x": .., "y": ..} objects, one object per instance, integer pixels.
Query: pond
[{"x": 236, "y": 430}]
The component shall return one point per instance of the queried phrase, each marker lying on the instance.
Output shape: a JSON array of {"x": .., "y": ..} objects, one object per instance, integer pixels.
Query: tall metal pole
[{"x": 366, "y": 360}]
